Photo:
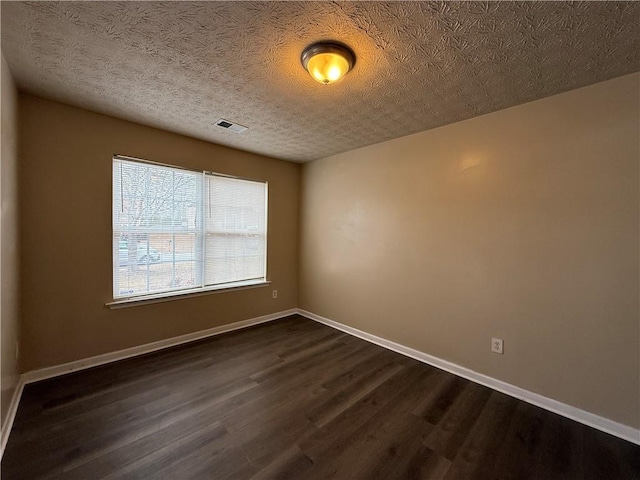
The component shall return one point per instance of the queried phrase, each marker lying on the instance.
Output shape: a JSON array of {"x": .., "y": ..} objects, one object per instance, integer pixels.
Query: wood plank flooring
[{"x": 294, "y": 399}]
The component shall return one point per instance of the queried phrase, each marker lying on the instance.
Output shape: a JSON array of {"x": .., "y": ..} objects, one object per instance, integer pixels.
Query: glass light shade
[
  {"x": 327, "y": 62},
  {"x": 327, "y": 68}
]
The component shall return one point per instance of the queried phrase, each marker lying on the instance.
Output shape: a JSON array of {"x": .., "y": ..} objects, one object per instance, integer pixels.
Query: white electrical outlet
[
  {"x": 275, "y": 294},
  {"x": 497, "y": 345}
]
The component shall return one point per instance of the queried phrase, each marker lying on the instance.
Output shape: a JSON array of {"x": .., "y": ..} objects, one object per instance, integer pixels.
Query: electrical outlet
[
  {"x": 275, "y": 294},
  {"x": 497, "y": 345}
]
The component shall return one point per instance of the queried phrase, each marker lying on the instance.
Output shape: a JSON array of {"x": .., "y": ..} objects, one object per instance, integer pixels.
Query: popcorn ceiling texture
[{"x": 180, "y": 66}]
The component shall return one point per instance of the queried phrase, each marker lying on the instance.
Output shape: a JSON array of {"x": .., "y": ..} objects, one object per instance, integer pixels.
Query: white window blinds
[
  {"x": 175, "y": 229},
  {"x": 235, "y": 230}
]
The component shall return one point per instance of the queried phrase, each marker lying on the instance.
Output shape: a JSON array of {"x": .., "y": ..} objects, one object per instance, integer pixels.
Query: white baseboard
[
  {"x": 11, "y": 415},
  {"x": 609, "y": 426},
  {"x": 592, "y": 420},
  {"x": 55, "y": 371},
  {"x": 50, "y": 372}
]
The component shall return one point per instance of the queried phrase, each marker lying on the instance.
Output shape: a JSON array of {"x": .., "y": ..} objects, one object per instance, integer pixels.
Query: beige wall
[
  {"x": 66, "y": 157},
  {"x": 9, "y": 274},
  {"x": 521, "y": 224}
]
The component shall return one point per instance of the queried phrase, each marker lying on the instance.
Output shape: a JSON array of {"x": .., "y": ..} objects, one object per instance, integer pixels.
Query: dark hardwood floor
[{"x": 294, "y": 399}]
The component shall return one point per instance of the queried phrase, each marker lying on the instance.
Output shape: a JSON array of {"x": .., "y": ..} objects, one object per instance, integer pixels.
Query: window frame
[{"x": 119, "y": 301}]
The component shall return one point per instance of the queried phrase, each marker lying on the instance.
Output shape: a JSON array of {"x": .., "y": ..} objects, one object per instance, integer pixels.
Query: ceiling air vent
[{"x": 227, "y": 125}]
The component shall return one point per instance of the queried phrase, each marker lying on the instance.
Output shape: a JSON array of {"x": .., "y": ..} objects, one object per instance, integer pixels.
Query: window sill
[{"x": 170, "y": 296}]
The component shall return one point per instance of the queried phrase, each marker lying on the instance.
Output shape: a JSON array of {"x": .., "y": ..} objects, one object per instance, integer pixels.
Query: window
[{"x": 176, "y": 230}]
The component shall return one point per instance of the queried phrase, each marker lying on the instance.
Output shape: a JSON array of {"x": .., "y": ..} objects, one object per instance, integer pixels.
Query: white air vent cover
[{"x": 234, "y": 127}]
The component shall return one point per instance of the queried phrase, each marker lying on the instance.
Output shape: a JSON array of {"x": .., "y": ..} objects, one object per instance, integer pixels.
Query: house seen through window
[{"x": 176, "y": 229}]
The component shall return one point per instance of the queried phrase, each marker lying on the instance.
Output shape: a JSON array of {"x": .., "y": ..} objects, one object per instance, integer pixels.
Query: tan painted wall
[
  {"x": 66, "y": 157},
  {"x": 9, "y": 229},
  {"x": 521, "y": 224}
]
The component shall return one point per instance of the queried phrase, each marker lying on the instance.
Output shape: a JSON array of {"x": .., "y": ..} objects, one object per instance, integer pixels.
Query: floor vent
[{"x": 227, "y": 125}]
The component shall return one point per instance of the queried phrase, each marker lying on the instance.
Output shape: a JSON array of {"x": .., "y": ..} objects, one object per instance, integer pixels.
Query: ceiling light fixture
[{"x": 327, "y": 62}]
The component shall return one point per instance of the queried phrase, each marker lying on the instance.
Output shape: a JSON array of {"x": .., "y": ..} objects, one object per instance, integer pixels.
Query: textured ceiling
[{"x": 181, "y": 66}]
